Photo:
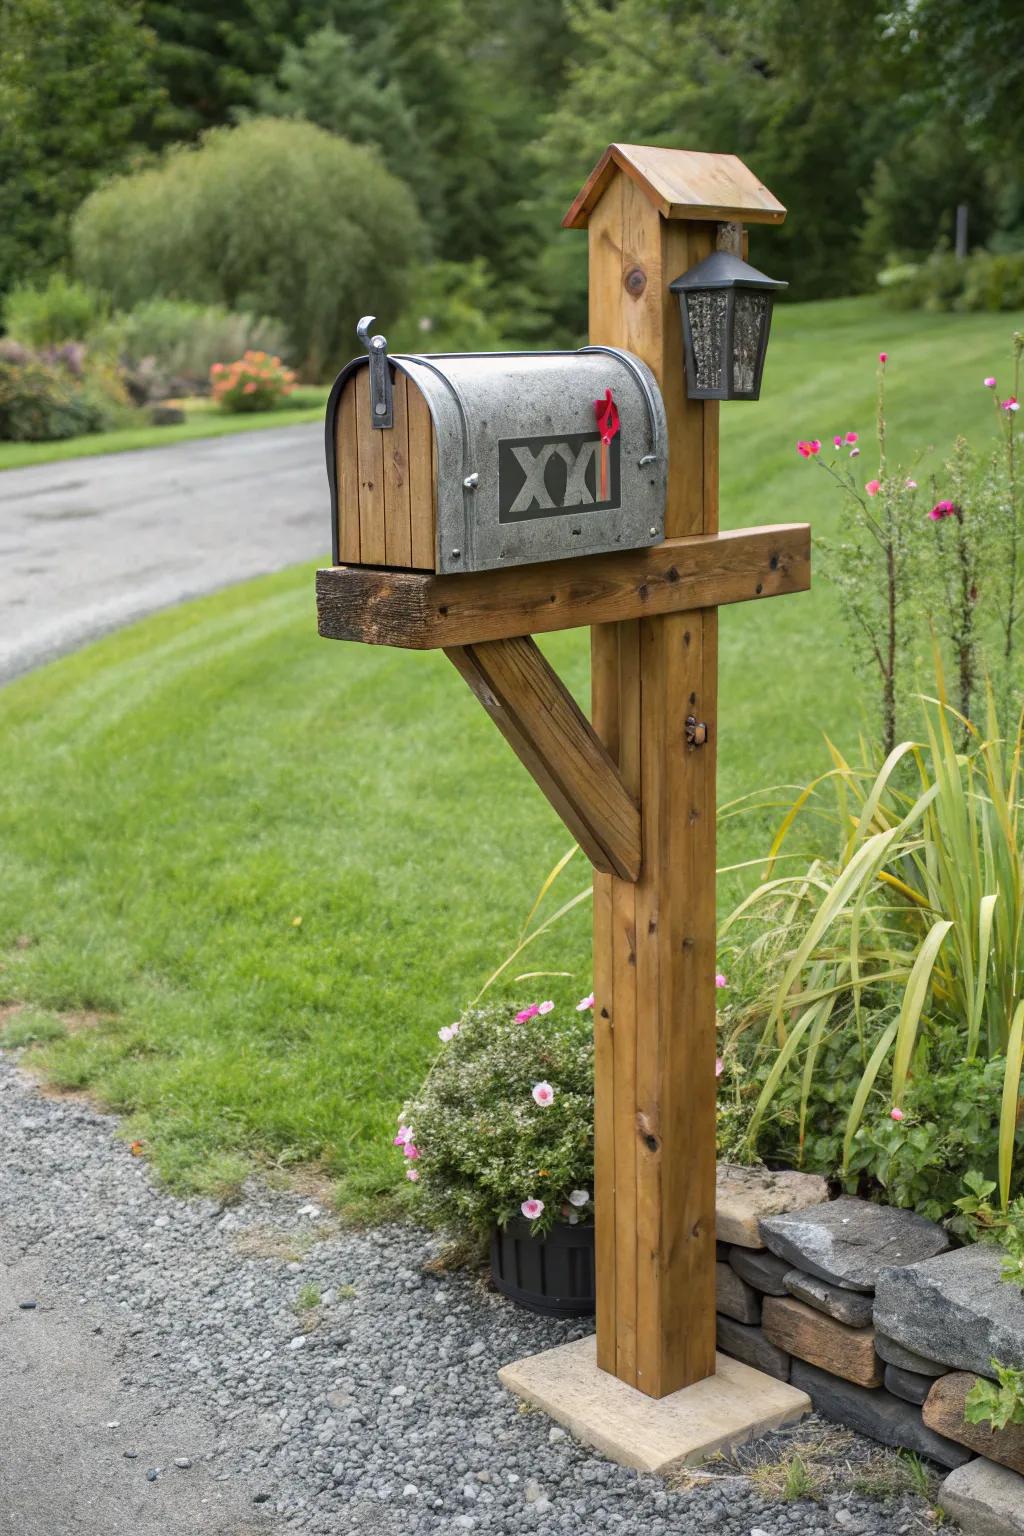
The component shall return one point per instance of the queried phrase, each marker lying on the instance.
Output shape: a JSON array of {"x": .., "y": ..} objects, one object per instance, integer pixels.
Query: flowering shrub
[
  {"x": 256, "y": 382},
  {"x": 54, "y": 394},
  {"x": 502, "y": 1125},
  {"x": 899, "y": 583}
]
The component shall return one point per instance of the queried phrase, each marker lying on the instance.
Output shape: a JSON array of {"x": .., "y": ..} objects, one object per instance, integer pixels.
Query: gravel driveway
[
  {"x": 160, "y": 1377},
  {"x": 90, "y": 544}
]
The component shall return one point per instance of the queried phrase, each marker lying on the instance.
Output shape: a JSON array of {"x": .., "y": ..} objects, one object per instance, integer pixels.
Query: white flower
[
  {"x": 546, "y": 1007},
  {"x": 448, "y": 1032},
  {"x": 585, "y": 1003},
  {"x": 579, "y": 1197},
  {"x": 543, "y": 1094},
  {"x": 531, "y": 1209}
]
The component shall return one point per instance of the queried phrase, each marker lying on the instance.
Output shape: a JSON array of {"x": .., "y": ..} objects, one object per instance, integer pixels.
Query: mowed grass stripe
[{"x": 174, "y": 796}]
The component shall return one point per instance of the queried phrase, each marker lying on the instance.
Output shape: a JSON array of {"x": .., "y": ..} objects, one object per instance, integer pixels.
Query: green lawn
[
  {"x": 173, "y": 798},
  {"x": 205, "y": 419}
]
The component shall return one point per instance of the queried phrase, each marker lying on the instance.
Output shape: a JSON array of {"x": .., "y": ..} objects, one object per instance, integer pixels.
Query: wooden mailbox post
[{"x": 636, "y": 784}]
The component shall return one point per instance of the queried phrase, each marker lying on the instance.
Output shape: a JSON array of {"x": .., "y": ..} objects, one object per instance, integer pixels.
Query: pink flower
[
  {"x": 411, "y": 1151},
  {"x": 585, "y": 1003},
  {"x": 854, "y": 453},
  {"x": 719, "y": 1066},
  {"x": 526, "y": 1014},
  {"x": 448, "y": 1032},
  {"x": 851, "y": 437},
  {"x": 942, "y": 509},
  {"x": 404, "y": 1136},
  {"x": 815, "y": 445},
  {"x": 808, "y": 450},
  {"x": 543, "y": 1094},
  {"x": 545, "y": 1007},
  {"x": 895, "y": 1113},
  {"x": 911, "y": 485},
  {"x": 249, "y": 389},
  {"x": 1012, "y": 404},
  {"x": 990, "y": 382},
  {"x": 883, "y": 358},
  {"x": 873, "y": 487},
  {"x": 838, "y": 440},
  {"x": 412, "y": 1174},
  {"x": 531, "y": 1209},
  {"x": 720, "y": 980}
]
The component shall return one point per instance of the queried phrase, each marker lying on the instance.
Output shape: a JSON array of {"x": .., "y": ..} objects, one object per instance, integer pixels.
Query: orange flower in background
[{"x": 253, "y": 382}]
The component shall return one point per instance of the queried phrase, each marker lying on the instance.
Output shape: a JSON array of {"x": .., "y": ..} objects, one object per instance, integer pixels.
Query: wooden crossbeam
[
  {"x": 421, "y": 612},
  {"x": 555, "y": 741}
]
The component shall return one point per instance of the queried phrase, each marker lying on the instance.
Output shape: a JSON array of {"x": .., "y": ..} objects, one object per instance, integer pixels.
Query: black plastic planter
[{"x": 552, "y": 1274}]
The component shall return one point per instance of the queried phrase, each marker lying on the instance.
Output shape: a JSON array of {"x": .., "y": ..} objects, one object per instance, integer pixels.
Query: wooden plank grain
[
  {"x": 422, "y": 493},
  {"x": 553, "y": 739},
  {"x": 347, "y": 463},
  {"x": 370, "y": 447},
  {"x": 397, "y": 503},
  {"x": 419, "y": 611}
]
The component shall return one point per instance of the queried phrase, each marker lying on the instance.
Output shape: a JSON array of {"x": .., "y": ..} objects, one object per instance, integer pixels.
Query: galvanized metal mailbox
[{"x": 474, "y": 461}]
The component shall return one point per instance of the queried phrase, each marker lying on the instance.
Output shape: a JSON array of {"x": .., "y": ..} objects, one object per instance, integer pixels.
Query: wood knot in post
[
  {"x": 646, "y": 1132},
  {"x": 635, "y": 281}
]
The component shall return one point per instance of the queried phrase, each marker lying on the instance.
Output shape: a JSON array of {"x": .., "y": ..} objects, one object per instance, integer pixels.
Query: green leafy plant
[
  {"x": 59, "y": 311},
  {"x": 980, "y": 1221},
  {"x": 998, "y": 1403},
  {"x": 895, "y": 962},
  {"x": 255, "y": 382},
  {"x": 503, "y": 1123},
  {"x": 44, "y": 401}
]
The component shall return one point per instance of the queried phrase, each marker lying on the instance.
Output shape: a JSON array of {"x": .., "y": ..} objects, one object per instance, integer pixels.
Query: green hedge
[{"x": 985, "y": 281}]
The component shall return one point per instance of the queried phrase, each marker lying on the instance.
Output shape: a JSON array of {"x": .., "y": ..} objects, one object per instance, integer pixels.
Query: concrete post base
[{"x": 653, "y": 1434}]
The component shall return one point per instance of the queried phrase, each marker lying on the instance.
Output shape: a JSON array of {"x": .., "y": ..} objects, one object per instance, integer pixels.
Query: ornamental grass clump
[
  {"x": 883, "y": 1038},
  {"x": 502, "y": 1126}
]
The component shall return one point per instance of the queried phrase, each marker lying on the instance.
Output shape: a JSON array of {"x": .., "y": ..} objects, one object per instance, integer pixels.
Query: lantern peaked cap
[{"x": 724, "y": 270}]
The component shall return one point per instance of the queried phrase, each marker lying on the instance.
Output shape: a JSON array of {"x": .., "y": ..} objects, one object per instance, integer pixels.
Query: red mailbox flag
[{"x": 607, "y": 413}]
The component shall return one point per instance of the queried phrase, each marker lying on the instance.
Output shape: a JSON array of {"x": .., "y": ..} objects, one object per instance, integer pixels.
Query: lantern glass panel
[
  {"x": 748, "y": 339},
  {"x": 708, "y": 311}
]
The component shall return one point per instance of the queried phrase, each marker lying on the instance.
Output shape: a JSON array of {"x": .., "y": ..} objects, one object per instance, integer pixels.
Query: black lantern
[{"x": 727, "y": 309}]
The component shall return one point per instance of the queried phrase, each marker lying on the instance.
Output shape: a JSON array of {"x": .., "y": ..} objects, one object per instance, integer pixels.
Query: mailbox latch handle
[{"x": 381, "y": 407}]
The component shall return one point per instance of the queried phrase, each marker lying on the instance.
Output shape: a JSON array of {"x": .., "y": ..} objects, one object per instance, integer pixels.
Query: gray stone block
[
  {"x": 849, "y": 1242},
  {"x": 850, "y": 1307},
  {"x": 743, "y": 1195},
  {"x": 734, "y": 1297},
  {"x": 955, "y": 1308},
  {"x": 761, "y": 1269},
  {"x": 875, "y": 1413},
  {"x": 984, "y": 1499},
  {"x": 750, "y": 1345},
  {"x": 910, "y": 1385},
  {"x": 895, "y": 1354}
]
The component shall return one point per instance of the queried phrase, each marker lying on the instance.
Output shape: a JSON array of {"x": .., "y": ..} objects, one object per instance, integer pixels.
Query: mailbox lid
[{"x": 522, "y": 473}]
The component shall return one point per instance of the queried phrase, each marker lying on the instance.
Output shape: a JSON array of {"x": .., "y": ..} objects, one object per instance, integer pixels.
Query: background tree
[
  {"x": 270, "y": 218},
  {"x": 76, "y": 93}
]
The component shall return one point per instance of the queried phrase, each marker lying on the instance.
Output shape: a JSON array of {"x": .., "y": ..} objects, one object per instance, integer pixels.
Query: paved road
[{"x": 90, "y": 544}]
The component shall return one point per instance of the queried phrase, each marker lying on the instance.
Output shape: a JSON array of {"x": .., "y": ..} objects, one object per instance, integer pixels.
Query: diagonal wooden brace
[{"x": 556, "y": 743}]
